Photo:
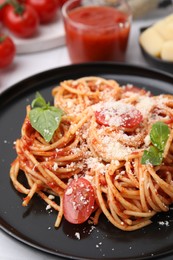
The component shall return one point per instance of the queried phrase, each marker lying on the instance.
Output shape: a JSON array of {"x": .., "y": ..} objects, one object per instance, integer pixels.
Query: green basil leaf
[
  {"x": 159, "y": 135},
  {"x": 39, "y": 101},
  {"x": 152, "y": 156},
  {"x": 44, "y": 118},
  {"x": 45, "y": 121}
]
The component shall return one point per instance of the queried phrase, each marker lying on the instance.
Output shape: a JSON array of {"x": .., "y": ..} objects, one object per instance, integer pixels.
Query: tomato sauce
[{"x": 97, "y": 33}]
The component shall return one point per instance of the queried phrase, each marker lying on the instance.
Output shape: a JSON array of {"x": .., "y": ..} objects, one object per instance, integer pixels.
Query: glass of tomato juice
[{"x": 96, "y": 30}]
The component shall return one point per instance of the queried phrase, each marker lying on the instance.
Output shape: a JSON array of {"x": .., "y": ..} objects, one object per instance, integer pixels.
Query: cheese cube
[
  {"x": 151, "y": 41},
  {"x": 167, "y": 51}
]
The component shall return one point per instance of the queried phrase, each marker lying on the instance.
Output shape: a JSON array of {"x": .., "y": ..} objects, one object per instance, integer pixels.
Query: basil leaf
[
  {"x": 44, "y": 118},
  {"x": 159, "y": 135},
  {"x": 39, "y": 101},
  {"x": 153, "y": 156}
]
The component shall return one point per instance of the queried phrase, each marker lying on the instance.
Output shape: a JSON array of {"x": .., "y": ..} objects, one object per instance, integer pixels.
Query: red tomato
[
  {"x": 134, "y": 89},
  {"x": 78, "y": 201},
  {"x": 62, "y": 2},
  {"x": 2, "y": 9},
  {"x": 22, "y": 21},
  {"x": 101, "y": 118},
  {"x": 7, "y": 51},
  {"x": 129, "y": 119},
  {"x": 46, "y": 9},
  {"x": 132, "y": 118}
]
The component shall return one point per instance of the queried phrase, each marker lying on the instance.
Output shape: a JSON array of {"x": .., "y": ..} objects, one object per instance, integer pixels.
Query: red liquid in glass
[{"x": 102, "y": 34}]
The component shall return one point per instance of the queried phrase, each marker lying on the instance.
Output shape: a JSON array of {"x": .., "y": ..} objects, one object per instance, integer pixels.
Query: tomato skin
[
  {"x": 78, "y": 201},
  {"x": 7, "y": 51},
  {"x": 136, "y": 90},
  {"x": 62, "y": 2},
  {"x": 132, "y": 119},
  {"x": 129, "y": 119},
  {"x": 101, "y": 118},
  {"x": 2, "y": 10},
  {"x": 46, "y": 9},
  {"x": 22, "y": 25}
]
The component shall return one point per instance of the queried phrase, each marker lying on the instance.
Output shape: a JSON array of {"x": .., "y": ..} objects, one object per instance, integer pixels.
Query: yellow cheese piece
[
  {"x": 159, "y": 25},
  {"x": 151, "y": 41},
  {"x": 167, "y": 51},
  {"x": 165, "y": 28},
  {"x": 168, "y": 18}
]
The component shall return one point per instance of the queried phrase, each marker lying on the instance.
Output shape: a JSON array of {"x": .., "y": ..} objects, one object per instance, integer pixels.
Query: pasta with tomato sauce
[{"x": 112, "y": 154}]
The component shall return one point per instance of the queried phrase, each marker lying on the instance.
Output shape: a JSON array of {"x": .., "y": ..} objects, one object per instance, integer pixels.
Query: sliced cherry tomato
[
  {"x": 7, "y": 51},
  {"x": 78, "y": 201},
  {"x": 132, "y": 118},
  {"x": 46, "y": 9},
  {"x": 21, "y": 20},
  {"x": 134, "y": 89},
  {"x": 129, "y": 119},
  {"x": 101, "y": 118},
  {"x": 137, "y": 90}
]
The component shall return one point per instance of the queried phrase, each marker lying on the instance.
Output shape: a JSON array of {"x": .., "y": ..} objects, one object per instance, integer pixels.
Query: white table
[{"x": 26, "y": 65}]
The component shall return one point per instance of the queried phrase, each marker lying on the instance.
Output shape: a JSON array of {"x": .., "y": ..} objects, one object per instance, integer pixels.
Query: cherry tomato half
[
  {"x": 101, "y": 118},
  {"x": 137, "y": 90},
  {"x": 7, "y": 51},
  {"x": 129, "y": 119},
  {"x": 46, "y": 9},
  {"x": 22, "y": 21},
  {"x": 132, "y": 118},
  {"x": 78, "y": 201}
]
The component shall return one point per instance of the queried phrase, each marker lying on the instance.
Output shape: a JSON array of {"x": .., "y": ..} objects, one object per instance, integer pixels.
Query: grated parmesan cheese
[
  {"x": 77, "y": 235},
  {"x": 69, "y": 191},
  {"x": 147, "y": 140},
  {"x": 164, "y": 223},
  {"x": 55, "y": 166},
  {"x": 51, "y": 197},
  {"x": 48, "y": 207}
]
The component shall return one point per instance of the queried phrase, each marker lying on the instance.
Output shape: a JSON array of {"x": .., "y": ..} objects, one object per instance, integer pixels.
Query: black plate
[
  {"x": 154, "y": 61},
  {"x": 34, "y": 225}
]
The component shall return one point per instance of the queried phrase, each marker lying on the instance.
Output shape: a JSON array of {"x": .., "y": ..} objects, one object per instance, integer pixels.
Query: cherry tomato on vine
[
  {"x": 46, "y": 9},
  {"x": 7, "y": 50},
  {"x": 62, "y": 2},
  {"x": 2, "y": 2},
  {"x": 21, "y": 20},
  {"x": 78, "y": 201},
  {"x": 0, "y": 15}
]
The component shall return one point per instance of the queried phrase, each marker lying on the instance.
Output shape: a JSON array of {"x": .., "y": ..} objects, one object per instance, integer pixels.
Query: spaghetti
[{"x": 102, "y": 137}]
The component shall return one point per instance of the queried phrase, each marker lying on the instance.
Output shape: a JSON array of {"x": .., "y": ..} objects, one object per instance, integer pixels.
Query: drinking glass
[{"x": 96, "y": 30}]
